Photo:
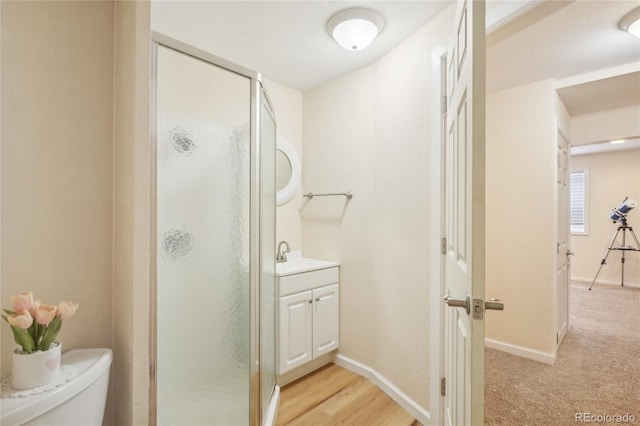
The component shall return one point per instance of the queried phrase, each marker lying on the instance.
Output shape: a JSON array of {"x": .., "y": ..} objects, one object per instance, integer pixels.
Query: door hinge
[
  {"x": 443, "y": 246},
  {"x": 444, "y": 104},
  {"x": 443, "y": 386}
]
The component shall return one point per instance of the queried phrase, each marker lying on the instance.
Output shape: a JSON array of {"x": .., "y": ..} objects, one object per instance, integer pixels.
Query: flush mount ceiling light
[
  {"x": 355, "y": 29},
  {"x": 631, "y": 22}
]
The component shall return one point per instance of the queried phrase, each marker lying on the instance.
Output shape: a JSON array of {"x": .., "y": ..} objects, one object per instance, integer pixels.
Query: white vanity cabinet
[
  {"x": 326, "y": 314},
  {"x": 308, "y": 316}
]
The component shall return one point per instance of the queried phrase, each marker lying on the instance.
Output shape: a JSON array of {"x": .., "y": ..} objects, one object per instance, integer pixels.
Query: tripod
[{"x": 622, "y": 248}]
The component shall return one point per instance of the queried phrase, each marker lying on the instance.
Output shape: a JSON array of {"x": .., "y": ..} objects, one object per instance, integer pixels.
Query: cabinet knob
[
  {"x": 310, "y": 300},
  {"x": 317, "y": 299}
]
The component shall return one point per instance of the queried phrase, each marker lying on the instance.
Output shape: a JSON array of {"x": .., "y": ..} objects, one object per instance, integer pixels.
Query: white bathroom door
[{"x": 463, "y": 249}]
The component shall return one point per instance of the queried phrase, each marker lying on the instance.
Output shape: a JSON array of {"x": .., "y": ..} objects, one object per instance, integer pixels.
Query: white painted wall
[
  {"x": 288, "y": 105},
  {"x": 376, "y": 132},
  {"x": 57, "y": 167},
  {"x": 611, "y": 177},
  {"x": 520, "y": 179}
]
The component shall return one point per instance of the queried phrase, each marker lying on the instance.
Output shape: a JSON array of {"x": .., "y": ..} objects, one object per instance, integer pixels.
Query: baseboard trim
[
  {"x": 301, "y": 371},
  {"x": 386, "y": 386},
  {"x": 272, "y": 411},
  {"x": 545, "y": 357},
  {"x": 607, "y": 282}
]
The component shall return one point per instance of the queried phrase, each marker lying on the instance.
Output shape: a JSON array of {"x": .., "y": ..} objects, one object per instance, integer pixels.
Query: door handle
[
  {"x": 570, "y": 253},
  {"x": 459, "y": 303}
]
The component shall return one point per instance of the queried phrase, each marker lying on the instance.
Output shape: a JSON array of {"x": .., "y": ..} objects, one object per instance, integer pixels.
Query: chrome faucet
[{"x": 282, "y": 255}]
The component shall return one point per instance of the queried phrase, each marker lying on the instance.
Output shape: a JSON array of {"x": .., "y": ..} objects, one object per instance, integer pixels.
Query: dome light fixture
[
  {"x": 631, "y": 22},
  {"x": 355, "y": 28}
]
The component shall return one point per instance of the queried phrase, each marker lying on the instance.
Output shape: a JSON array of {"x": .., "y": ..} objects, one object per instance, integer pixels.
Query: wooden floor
[{"x": 333, "y": 395}]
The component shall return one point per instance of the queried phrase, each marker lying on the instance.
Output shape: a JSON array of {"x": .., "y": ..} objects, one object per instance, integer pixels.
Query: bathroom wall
[
  {"x": 520, "y": 179},
  {"x": 376, "y": 132},
  {"x": 611, "y": 177},
  {"x": 288, "y": 105},
  {"x": 132, "y": 214},
  {"x": 57, "y": 167}
]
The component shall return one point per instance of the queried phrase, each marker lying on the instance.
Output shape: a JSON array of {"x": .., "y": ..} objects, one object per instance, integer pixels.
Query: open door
[
  {"x": 563, "y": 249},
  {"x": 463, "y": 243}
]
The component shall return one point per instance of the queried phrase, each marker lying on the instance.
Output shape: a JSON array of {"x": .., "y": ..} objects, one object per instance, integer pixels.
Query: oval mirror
[
  {"x": 287, "y": 171},
  {"x": 283, "y": 170}
]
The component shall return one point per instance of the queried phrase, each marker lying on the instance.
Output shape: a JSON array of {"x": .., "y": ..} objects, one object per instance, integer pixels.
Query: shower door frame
[{"x": 258, "y": 97}]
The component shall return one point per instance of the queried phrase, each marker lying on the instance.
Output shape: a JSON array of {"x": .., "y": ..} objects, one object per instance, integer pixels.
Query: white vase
[{"x": 35, "y": 369}]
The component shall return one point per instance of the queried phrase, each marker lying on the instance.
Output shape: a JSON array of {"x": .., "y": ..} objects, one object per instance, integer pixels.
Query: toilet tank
[{"x": 78, "y": 402}]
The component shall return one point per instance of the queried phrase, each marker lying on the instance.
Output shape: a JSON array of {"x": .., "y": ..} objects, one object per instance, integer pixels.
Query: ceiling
[
  {"x": 528, "y": 41},
  {"x": 618, "y": 91},
  {"x": 581, "y": 38},
  {"x": 287, "y": 41}
]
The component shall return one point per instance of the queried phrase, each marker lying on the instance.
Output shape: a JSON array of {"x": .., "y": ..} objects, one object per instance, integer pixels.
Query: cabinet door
[
  {"x": 326, "y": 324},
  {"x": 294, "y": 346}
]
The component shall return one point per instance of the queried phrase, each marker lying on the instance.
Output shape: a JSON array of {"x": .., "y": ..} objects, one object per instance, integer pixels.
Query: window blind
[{"x": 577, "y": 201}]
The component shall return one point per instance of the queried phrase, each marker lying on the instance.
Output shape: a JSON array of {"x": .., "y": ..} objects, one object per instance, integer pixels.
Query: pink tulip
[
  {"x": 23, "y": 320},
  {"x": 45, "y": 314},
  {"x": 22, "y": 302},
  {"x": 66, "y": 309},
  {"x": 34, "y": 307}
]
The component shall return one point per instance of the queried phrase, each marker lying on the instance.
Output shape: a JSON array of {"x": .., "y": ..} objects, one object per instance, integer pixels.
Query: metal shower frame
[{"x": 258, "y": 97}]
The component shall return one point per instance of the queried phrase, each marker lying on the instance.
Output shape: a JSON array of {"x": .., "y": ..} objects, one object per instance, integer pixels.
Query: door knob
[{"x": 459, "y": 303}]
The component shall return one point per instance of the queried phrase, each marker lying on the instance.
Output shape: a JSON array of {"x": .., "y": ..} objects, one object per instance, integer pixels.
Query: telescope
[{"x": 620, "y": 212}]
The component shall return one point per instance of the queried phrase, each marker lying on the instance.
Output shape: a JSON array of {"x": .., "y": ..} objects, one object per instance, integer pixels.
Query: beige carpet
[{"x": 597, "y": 370}]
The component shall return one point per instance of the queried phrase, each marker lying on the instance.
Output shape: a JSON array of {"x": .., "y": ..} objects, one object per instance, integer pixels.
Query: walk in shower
[{"x": 213, "y": 302}]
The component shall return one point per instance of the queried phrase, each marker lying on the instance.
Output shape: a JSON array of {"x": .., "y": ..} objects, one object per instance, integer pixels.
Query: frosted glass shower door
[{"x": 203, "y": 242}]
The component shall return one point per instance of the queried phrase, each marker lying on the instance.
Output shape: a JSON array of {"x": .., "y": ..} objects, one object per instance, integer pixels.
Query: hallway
[{"x": 596, "y": 371}]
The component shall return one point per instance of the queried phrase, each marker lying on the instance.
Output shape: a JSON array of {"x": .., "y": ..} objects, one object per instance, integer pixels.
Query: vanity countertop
[{"x": 297, "y": 264}]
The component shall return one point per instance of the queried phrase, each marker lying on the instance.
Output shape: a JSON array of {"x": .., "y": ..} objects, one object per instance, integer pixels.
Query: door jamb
[{"x": 437, "y": 291}]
